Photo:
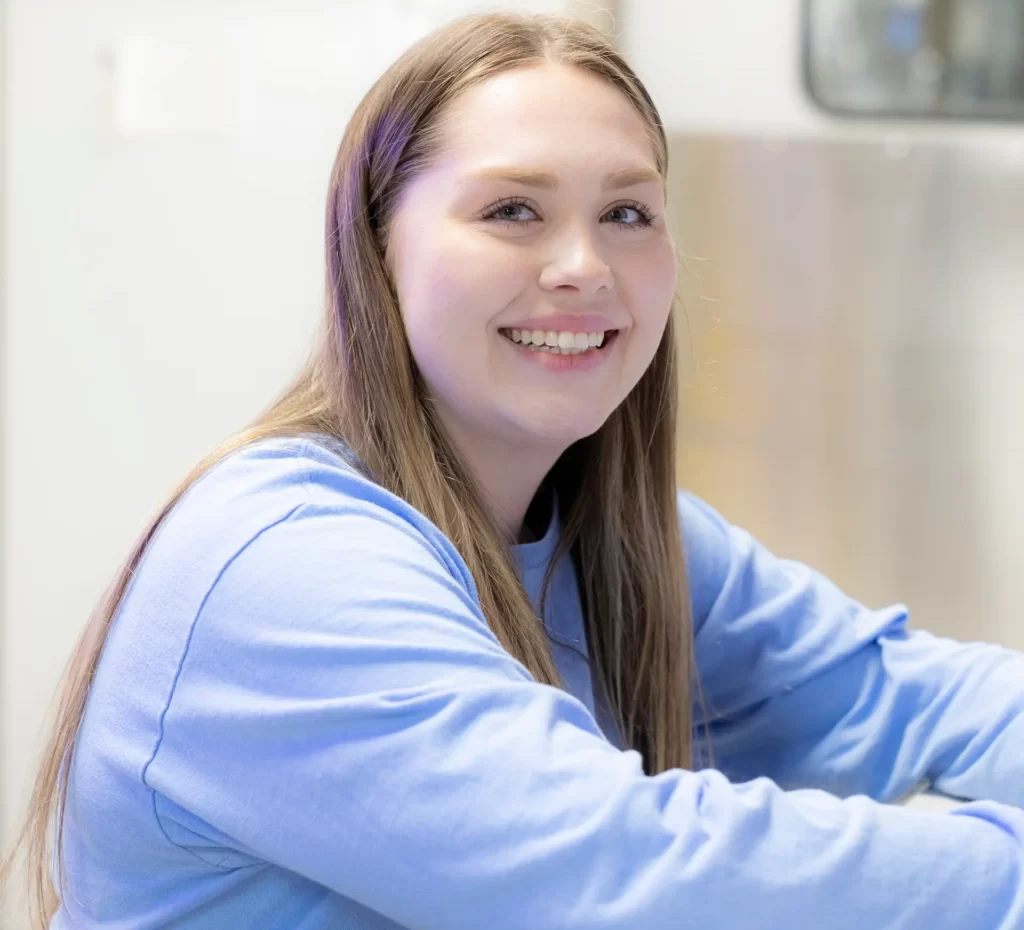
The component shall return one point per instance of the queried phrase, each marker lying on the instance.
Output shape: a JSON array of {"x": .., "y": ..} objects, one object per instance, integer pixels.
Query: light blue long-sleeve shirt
[{"x": 302, "y": 720}]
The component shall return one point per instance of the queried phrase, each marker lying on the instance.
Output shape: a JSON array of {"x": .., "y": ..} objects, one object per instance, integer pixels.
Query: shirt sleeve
[
  {"x": 344, "y": 712},
  {"x": 810, "y": 688}
]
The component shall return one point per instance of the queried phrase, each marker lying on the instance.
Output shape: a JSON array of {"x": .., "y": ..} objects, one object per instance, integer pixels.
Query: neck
[{"x": 508, "y": 474}]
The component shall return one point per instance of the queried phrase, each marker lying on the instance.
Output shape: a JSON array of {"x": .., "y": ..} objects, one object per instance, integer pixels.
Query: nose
[{"x": 577, "y": 265}]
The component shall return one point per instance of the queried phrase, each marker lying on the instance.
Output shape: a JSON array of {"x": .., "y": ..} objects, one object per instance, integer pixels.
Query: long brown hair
[{"x": 615, "y": 488}]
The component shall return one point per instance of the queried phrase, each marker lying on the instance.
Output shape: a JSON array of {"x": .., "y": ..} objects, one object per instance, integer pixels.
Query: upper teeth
[{"x": 562, "y": 340}]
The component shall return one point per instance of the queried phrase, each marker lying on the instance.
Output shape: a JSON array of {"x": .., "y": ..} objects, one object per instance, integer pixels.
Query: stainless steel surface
[{"x": 856, "y": 380}]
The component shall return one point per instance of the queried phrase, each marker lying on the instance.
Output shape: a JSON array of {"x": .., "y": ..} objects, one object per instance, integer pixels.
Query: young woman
[{"x": 326, "y": 690}]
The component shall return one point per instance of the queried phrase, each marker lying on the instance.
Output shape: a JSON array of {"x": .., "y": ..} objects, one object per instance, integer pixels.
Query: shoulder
[
  {"x": 283, "y": 520},
  {"x": 711, "y": 546},
  {"x": 279, "y": 534},
  {"x": 704, "y": 530},
  {"x": 260, "y": 483},
  {"x": 274, "y": 481}
]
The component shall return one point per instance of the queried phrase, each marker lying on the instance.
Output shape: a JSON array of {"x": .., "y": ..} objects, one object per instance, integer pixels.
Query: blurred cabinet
[{"x": 855, "y": 363}]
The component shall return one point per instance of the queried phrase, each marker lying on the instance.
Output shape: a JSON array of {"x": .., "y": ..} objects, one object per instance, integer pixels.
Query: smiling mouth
[{"x": 560, "y": 343}]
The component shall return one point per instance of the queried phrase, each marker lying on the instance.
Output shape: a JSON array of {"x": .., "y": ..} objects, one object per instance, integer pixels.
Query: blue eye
[
  {"x": 643, "y": 215},
  {"x": 510, "y": 211}
]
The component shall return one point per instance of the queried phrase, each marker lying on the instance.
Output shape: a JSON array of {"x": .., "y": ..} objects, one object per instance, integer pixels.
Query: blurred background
[{"x": 847, "y": 186}]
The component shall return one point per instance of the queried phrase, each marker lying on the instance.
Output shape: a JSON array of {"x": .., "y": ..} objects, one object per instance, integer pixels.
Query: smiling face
[{"x": 541, "y": 222}]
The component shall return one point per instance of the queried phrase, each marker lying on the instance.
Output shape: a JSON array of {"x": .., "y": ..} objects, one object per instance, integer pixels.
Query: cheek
[
  {"x": 659, "y": 276},
  {"x": 453, "y": 285},
  {"x": 448, "y": 275},
  {"x": 650, "y": 282}
]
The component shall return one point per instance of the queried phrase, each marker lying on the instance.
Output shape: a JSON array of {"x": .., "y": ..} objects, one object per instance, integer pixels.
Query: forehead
[{"x": 544, "y": 113}]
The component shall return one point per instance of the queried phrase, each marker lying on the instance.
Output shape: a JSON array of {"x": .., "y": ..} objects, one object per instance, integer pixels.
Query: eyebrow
[{"x": 624, "y": 177}]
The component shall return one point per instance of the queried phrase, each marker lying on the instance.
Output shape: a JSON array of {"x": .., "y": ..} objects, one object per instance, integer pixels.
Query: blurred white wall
[
  {"x": 4, "y": 341},
  {"x": 166, "y": 165},
  {"x": 720, "y": 65}
]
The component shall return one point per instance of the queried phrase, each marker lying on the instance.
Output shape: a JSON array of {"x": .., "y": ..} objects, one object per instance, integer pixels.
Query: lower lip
[{"x": 555, "y": 361}]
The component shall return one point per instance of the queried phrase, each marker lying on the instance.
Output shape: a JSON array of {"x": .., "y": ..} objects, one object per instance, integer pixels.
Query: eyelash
[{"x": 645, "y": 221}]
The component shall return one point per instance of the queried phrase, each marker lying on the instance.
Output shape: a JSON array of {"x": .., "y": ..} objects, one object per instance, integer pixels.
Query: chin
[{"x": 562, "y": 431}]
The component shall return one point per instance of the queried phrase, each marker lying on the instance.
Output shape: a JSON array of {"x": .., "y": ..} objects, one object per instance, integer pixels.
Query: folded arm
[{"x": 810, "y": 688}]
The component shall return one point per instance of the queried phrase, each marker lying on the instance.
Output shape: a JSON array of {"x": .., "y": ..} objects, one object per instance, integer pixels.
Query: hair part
[{"x": 361, "y": 386}]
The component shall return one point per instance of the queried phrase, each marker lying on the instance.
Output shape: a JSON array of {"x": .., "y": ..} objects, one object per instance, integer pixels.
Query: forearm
[{"x": 905, "y": 709}]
